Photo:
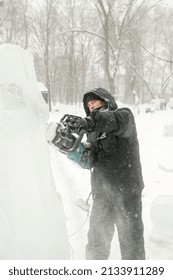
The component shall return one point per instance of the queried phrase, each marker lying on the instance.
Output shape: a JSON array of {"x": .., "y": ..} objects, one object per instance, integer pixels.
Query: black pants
[{"x": 124, "y": 211}]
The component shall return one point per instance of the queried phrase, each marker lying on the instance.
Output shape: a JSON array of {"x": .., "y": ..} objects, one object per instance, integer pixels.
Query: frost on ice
[
  {"x": 32, "y": 219},
  {"x": 161, "y": 238}
]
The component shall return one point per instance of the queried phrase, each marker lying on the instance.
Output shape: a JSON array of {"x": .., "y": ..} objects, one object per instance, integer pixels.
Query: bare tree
[
  {"x": 104, "y": 10},
  {"x": 44, "y": 26},
  {"x": 15, "y": 22},
  {"x": 78, "y": 44}
]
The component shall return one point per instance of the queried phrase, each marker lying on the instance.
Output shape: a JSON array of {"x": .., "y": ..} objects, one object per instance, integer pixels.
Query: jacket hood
[{"x": 102, "y": 94}]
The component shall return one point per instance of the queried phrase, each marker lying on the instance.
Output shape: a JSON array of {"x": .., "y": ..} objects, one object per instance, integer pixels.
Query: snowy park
[{"x": 40, "y": 188}]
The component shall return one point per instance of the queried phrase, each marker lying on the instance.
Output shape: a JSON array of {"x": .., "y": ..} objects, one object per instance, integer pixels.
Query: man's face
[{"x": 94, "y": 104}]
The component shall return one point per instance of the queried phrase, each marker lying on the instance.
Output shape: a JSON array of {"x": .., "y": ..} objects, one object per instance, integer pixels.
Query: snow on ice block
[
  {"x": 32, "y": 219},
  {"x": 161, "y": 213},
  {"x": 165, "y": 157},
  {"x": 168, "y": 130},
  {"x": 166, "y": 165},
  {"x": 161, "y": 238}
]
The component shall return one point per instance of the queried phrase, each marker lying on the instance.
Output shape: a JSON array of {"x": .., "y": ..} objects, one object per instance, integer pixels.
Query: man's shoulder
[{"x": 123, "y": 110}]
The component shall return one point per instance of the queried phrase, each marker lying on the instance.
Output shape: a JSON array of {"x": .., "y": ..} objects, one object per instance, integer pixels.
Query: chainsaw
[{"x": 62, "y": 136}]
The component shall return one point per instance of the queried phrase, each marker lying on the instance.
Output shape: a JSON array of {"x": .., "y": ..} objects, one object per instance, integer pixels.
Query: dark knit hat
[{"x": 93, "y": 96}]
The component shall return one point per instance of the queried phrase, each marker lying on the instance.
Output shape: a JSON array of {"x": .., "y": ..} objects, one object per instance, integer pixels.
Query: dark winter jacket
[{"x": 114, "y": 140}]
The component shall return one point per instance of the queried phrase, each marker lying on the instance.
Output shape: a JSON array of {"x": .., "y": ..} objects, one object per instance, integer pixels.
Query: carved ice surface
[{"x": 32, "y": 219}]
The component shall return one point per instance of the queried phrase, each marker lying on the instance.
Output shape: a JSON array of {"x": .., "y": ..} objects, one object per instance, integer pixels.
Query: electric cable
[
  {"x": 77, "y": 230},
  {"x": 88, "y": 212},
  {"x": 72, "y": 251}
]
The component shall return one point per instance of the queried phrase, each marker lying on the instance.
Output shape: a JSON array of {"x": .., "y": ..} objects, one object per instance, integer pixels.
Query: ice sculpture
[
  {"x": 32, "y": 220},
  {"x": 161, "y": 237}
]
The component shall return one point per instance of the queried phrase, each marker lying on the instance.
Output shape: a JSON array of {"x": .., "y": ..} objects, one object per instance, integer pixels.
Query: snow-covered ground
[{"x": 156, "y": 149}]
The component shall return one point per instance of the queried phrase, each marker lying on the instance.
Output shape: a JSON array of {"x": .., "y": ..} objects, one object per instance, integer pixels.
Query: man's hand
[
  {"x": 76, "y": 124},
  {"x": 73, "y": 122}
]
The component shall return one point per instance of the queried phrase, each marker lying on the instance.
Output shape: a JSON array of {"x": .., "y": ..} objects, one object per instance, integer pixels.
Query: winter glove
[{"x": 80, "y": 123}]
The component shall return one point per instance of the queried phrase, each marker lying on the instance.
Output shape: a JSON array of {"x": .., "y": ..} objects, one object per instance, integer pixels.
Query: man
[{"x": 116, "y": 178}]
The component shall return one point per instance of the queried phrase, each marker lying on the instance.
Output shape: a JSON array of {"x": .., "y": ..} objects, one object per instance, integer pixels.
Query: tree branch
[
  {"x": 113, "y": 51},
  {"x": 157, "y": 57}
]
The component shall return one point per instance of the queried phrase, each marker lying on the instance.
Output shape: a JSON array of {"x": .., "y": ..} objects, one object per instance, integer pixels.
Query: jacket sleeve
[{"x": 121, "y": 122}]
